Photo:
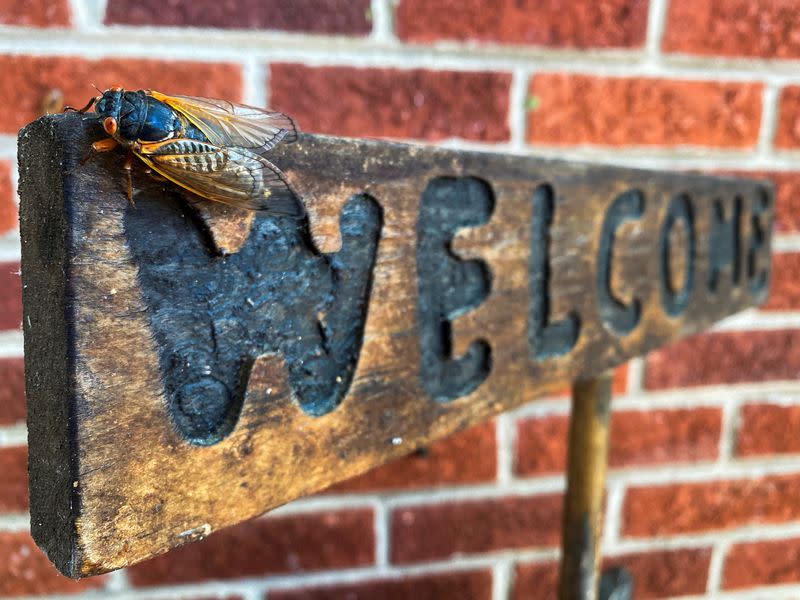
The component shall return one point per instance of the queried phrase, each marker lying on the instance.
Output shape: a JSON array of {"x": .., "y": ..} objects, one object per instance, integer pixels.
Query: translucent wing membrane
[
  {"x": 228, "y": 124},
  {"x": 235, "y": 176}
]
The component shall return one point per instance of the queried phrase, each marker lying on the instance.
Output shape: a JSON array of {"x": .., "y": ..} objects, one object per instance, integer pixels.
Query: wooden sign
[{"x": 188, "y": 368}]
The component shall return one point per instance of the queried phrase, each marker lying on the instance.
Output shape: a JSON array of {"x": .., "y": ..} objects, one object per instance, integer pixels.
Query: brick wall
[{"x": 704, "y": 488}]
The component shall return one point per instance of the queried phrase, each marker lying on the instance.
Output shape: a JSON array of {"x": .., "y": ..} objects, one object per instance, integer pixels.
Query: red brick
[
  {"x": 768, "y": 429},
  {"x": 788, "y": 133},
  {"x": 726, "y": 357},
  {"x": 655, "y": 575},
  {"x": 14, "y": 481},
  {"x": 10, "y": 296},
  {"x": 664, "y": 436},
  {"x": 637, "y": 438},
  {"x": 617, "y": 111},
  {"x": 35, "y": 13},
  {"x": 439, "y": 531},
  {"x": 464, "y": 585},
  {"x": 666, "y": 574},
  {"x": 26, "y": 571},
  {"x": 288, "y": 544},
  {"x": 711, "y": 505},
  {"x": 535, "y": 580},
  {"x": 310, "y": 16},
  {"x": 466, "y": 457},
  {"x": 429, "y": 105},
  {"x": 787, "y": 201},
  {"x": 541, "y": 446},
  {"x": 764, "y": 29},
  {"x": 762, "y": 563},
  {"x": 575, "y": 24},
  {"x": 27, "y": 80},
  {"x": 787, "y": 196},
  {"x": 784, "y": 291},
  {"x": 12, "y": 391},
  {"x": 9, "y": 214}
]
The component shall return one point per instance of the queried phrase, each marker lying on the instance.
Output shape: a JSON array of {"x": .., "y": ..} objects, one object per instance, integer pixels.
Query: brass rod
[{"x": 586, "y": 478}]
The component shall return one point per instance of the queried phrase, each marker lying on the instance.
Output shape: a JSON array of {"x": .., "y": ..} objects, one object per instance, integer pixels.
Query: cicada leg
[
  {"x": 105, "y": 145},
  {"x": 84, "y": 109},
  {"x": 128, "y": 166},
  {"x": 155, "y": 175}
]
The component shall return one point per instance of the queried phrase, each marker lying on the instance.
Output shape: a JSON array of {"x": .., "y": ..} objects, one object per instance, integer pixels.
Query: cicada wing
[
  {"x": 234, "y": 176},
  {"x": 226, "y": 123}
]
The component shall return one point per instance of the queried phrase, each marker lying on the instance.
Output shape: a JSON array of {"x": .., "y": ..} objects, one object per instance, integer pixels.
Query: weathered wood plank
[{"x": 175, "y": 389}]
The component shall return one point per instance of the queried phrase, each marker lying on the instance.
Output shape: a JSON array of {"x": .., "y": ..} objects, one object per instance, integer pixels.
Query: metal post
[{"x": 586, "y": 476}]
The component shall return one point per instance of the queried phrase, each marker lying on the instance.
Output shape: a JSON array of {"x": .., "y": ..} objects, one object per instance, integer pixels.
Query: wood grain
[{"x": 168, "y": 396}]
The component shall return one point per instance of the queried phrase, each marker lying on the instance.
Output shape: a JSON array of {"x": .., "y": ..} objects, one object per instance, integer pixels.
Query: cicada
[{"x": 213, "y": 148}]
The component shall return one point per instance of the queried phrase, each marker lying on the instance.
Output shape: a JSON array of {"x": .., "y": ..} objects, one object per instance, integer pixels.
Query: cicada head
[
  {"x": 109, "y": 109},
  {"x": 121, "y": 113}
]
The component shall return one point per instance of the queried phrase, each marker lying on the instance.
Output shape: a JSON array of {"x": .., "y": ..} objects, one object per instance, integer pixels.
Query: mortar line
[
  {"x": 382, "y": 534},
  {"x": 8, "y": 147},
  {"x": 12, "y": 436},
  {"x": 253, "y": 592},
  {"x": 757, "y": 532},
  {"x": 518, "y": 109},
  {"x": 728, "y": 431},
  {"x": 505, "y": 432},
  {"x": 532, "y": 487},
  {"x": 502, "y": 579},
  {"x": 10, "y": 247},
  {"x": 716, "y": 566},
  {"x": 773, "y": 592},
  {"x": 117, "y": 581},
  {"x": 79, "y": 14},
  {"x": 755, "y": 320},
  {"x": 785, "y": 243},
  {"x": 458, "y": 563},
  {"x": 612, "y": 519},
  {"x": 325, "y": 503},
  {"x": 656, "y": 26},
  {"x": 11, "y": 344},
  {"x": 678, "y": 398},
  {"x": 636, "y": 374},
  {"x": 254, "y": 78},
  {"x": 769, "y": 121},
  {"x": 15, "y": 522},
  {"x": 382, "y": 21},
  {"x": 225, "y": 45}
]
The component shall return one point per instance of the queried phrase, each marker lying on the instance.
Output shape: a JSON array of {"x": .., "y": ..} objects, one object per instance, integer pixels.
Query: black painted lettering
[
  {"x": 679, "y": 213},
  {"x": 620, "y": 317},
  {"x": 724, "y": 242},
  {"x": 545, "y": 338},
  {"x": 449, "y": 286},
  {"x": 757, "y": 247},
  {"x": 213, "y": 316}
]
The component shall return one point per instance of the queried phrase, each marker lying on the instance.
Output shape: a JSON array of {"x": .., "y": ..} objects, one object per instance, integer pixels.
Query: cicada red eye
[{"x": 110, "y": 125}]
